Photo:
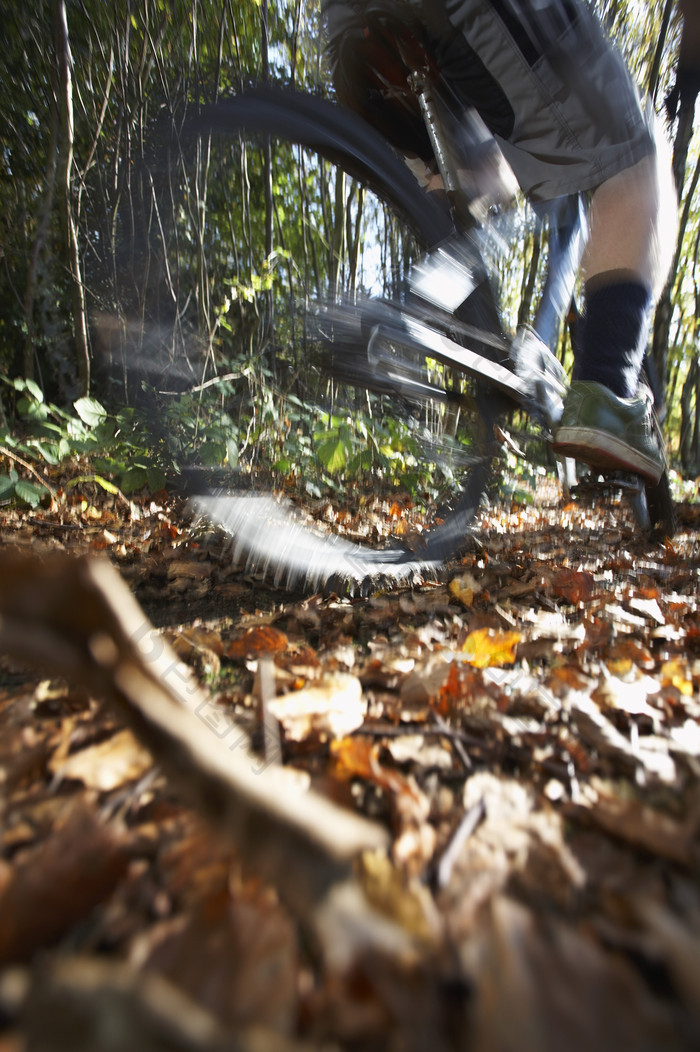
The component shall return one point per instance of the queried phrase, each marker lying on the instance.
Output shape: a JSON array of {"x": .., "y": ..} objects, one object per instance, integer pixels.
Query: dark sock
[{"x": 613, "y": 337}]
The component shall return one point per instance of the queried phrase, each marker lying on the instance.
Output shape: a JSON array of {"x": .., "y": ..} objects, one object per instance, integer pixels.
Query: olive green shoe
[{"x": 610, "y": 433}]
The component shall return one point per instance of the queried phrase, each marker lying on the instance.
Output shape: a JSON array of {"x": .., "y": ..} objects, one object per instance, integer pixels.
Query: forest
[
  {"x": 160, "y": 288},
  {"x": 458, "y": 811}
]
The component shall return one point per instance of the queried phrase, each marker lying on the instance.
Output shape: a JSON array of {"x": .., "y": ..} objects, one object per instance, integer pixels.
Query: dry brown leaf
[
  {"x": 426, "y": 682},
  {"x": 573, "y": 586},
  {"x": 543, "y": 986},
  {"x": 107, "y": 765},
  {"x": 189, "y": 569},
  {"x": 415, "y": 838},
  {"x": 199, "y": 647},
  {"x": 56, "y": 884},
  {"x": 644, "y": 827},
  {"x": 623, "y": 654},
  {"x": 563, "y": 679},
  {"x": 236, "y": 956}
]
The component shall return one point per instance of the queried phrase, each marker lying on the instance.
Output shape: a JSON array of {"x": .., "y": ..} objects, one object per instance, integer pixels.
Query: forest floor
[{"x": 522, "y": 740}]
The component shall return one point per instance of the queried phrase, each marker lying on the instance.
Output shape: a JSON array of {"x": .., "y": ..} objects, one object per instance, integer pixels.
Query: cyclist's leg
[
  {"x": 580, "y": 126},
  {"x": 626, "y": 260}
]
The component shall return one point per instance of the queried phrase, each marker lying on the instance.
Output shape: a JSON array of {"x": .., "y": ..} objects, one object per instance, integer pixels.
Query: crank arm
[{"x": 431, "y": 343}]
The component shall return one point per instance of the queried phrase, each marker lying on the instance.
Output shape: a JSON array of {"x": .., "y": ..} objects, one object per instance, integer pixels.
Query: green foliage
[
  {"x": 282, "y": 438},
  {"x": 45, "y": 434},
  {"x": 185, "y": 257}
]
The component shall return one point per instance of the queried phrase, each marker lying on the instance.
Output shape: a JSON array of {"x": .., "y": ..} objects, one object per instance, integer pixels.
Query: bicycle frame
[
  {"x": 450, "y": 274},
  {"x": 530, "y": 374}
]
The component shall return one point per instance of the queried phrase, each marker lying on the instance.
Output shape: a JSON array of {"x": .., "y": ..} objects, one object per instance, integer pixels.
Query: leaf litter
[{"x": 523, "y": 734}]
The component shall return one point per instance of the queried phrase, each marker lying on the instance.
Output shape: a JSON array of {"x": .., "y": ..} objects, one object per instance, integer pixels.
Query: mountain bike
[{"x": 434, "y": 337}]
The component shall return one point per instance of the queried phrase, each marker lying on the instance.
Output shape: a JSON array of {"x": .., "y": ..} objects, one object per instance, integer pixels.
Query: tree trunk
[
  {"x": 653, "y": 83},
  {"x": 337, "y": 241},
  {"x": 682, "y": 100},
  {"x": 689, "y": 451},
  {"x": 529, "y": 278},
  {"x": 65, "y": 168},
  {"x": 664, "y": 308},
  {"x": 37, "y": 249},
  {"x": 267, "y": 183}
]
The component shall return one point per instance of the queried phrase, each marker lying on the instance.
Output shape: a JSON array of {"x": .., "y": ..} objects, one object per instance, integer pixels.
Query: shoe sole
[{"x": 581, "y": 443}]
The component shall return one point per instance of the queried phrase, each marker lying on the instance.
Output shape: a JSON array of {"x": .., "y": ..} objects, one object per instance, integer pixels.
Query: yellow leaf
[
  {"x": 464, "y": 588},
  {"x": 674, "y": 673},
  {"x": 486, "y": 647}
]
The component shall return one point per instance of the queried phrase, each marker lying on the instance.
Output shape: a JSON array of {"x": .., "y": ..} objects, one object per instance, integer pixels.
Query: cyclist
[{"x": 562, "y": 106}]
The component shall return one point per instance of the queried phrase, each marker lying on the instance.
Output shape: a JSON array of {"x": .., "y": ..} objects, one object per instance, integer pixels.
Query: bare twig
[
  {"x": 472, "y": 818},
  {"x": 5, "y": 452}
]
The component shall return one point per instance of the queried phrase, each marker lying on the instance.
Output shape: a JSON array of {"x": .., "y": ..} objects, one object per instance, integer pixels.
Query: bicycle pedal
[{"x": 620, "y": 482}]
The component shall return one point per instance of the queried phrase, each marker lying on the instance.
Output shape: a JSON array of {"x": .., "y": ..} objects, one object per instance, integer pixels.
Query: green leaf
[
  {"x": 49, "y": 451},
  {"x": 32, "y": 409},
  {"x": 333, "y": 454},
  {"x": 133, "y": 479},
  {"x": 34, "y": 390},
  {"x": 106, "y": 485},
  {"x": 155, "y": 478},
  {"x": 7, "y": 487},
  {"x": 30, "y": 492},
  {"x": 212, "y": 453},
  {"x": 76, "y": 429},
  {"x": 90, "y": 411}
]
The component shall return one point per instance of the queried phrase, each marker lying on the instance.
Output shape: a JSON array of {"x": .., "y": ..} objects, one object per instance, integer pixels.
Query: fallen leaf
[
  {"x": 649, "y": 608},
  {"x": 190, "y": 569},
  {"x": 628, "y": 695},
  {"x": 487, "y": 646},
  {"x": 333, "y": 706},
  {"x": 409, "y": 902},
  {"x": 199, "y": 647},
  {"x": 414, "y": 749},
  {"x": 644, "y": 827},
  {"x": 107, "y": 765},
  {"x": 464, "y": 588},
  {"x": 625, "y": 653},
  {"x": 57, "y": 884},
  {"x": 425, "y": 683},
  {"x": 573, "y": 586},
  {"x": 675, "y": 673}
]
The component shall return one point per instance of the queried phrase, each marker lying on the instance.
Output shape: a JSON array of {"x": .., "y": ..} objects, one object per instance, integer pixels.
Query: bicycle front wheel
[{"x": 267, "y": 209}]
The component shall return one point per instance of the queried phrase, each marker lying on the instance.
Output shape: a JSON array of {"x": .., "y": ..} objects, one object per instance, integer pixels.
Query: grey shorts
[{"x": 577, "y": 115}]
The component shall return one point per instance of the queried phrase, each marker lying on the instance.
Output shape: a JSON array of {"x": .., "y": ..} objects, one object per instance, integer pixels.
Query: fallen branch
[{"x": 77, "y": 618}]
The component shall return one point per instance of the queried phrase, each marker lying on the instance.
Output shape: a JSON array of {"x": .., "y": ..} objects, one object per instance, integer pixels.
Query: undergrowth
[{"x": 308, "y": 450}]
